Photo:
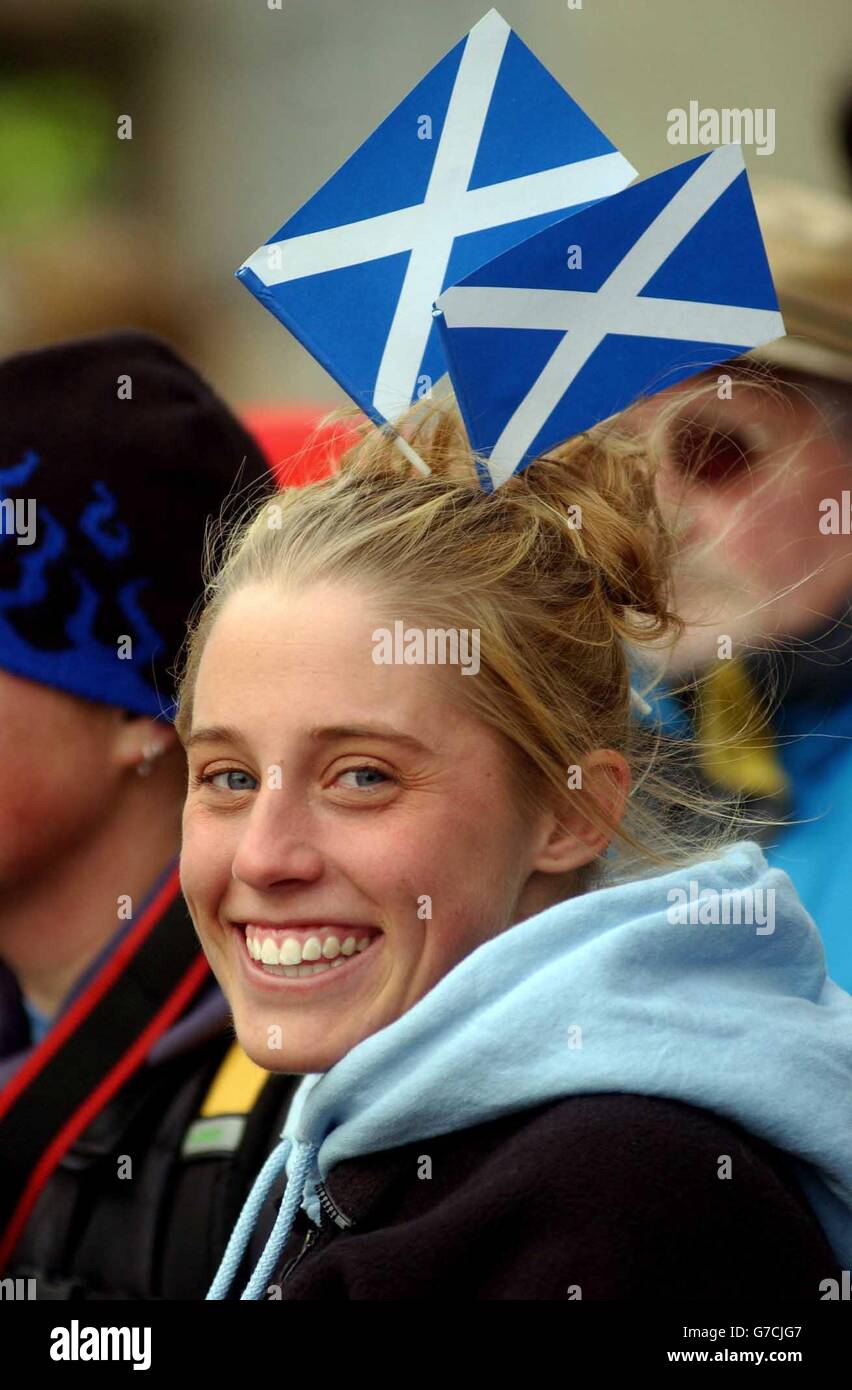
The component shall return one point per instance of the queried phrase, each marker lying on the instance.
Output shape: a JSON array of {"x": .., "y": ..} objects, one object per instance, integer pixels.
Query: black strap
[
  {"x": 163, "y": 968},
  {"x": 209, "y": 1190}
]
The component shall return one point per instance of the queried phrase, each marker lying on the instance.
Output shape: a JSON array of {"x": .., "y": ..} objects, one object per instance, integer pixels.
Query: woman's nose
[{"x": 275, "y": 845}]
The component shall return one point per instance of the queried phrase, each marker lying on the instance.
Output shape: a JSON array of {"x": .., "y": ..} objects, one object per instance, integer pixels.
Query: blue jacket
[{"x": 813, "y": 735}]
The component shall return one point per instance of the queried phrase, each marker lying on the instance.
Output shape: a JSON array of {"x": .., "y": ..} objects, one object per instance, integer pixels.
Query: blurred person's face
[
  {"x": 345, "y": 815},
  {"x": 58, "y": 776},
  {"x": 749, "y": 517},
  {"x": 68, "y": 771}
]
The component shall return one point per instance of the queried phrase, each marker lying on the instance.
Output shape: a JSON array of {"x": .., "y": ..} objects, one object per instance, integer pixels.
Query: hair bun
[{"x": 605, "y": 481}]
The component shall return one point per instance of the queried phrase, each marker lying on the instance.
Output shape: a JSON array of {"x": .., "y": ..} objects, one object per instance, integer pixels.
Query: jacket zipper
[
  {"x": 306, "y": 1245},
  {"x": 338, "y": 1217}
]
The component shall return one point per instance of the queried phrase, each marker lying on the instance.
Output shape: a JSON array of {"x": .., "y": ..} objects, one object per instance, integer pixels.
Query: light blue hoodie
[{"x": 607, "y": 991}]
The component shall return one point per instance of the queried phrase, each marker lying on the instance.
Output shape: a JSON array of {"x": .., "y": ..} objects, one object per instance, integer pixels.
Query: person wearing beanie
[{"x": 114, "y": 454}]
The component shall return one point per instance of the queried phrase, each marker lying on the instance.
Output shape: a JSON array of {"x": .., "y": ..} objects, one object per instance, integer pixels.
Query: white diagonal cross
[
  {"x": 587, "y": 317},
  {"x": 449, "y": 210}
]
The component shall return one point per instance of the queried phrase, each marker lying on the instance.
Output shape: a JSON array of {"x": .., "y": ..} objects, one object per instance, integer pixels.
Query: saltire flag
[
  {"x": 650, "y": 286},
  {"x": 485, "y": 150}
]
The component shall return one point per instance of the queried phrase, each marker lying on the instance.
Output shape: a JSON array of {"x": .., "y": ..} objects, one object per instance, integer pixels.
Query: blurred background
[{"x": 239, "y": 111}]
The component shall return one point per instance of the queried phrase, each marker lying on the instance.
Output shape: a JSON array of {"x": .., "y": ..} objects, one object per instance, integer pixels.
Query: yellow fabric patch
[
  {"x": 236, "y": 1085},
  {"x": 736, "y": 746}
]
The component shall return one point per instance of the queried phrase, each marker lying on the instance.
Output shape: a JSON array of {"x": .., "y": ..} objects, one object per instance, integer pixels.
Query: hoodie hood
[{"x": 706, "y": 985}]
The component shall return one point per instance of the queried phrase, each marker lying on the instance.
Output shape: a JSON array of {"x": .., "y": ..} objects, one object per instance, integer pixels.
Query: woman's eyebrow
[
  {"x": 225, "y": 733},
  {"x": 386, "y": 731},
  {"x": 214, "y": 733}
]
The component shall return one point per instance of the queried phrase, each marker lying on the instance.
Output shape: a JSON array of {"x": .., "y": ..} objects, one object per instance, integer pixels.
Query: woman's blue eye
[
  {"x": 372, "y": 771},
  {"x": 249, "y": 783},
  {"x": 229, "y": 772}
]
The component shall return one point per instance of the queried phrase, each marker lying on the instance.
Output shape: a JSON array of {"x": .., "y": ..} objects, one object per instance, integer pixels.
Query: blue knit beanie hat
[{"x": 113, "y": 454}]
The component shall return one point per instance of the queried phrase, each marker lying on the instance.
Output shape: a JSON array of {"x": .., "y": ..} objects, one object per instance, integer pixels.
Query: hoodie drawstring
[
  {"x": 278, "y": 1236},
  {"x": 241, "y": 1233}
]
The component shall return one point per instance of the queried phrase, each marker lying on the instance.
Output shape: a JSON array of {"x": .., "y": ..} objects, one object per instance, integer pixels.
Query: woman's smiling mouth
[{"x": 305, "y": 955}]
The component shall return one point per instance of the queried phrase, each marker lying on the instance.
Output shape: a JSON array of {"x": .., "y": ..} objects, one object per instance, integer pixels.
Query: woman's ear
[{"x": 604, "y": 778}]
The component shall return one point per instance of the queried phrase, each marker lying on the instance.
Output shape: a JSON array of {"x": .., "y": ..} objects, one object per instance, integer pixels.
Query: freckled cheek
[
  {"x": 477, "y": 880},
  {"x": 456, "y": 846},
  {"x": 205, "y": 861},
  {"x": 433, "y": 884}
]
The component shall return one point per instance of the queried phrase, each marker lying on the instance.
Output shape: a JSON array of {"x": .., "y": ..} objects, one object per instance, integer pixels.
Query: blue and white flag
[
  {"x": 487, "y": 149},
  {"x": 616, "y": 302}
]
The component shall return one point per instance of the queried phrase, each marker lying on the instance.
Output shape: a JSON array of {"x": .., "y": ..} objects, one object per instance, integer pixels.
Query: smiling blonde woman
[{"x": 445, "y": 902}]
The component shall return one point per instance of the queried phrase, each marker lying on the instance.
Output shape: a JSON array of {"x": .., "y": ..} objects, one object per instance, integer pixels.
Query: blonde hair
[{"x": 565, "y": 571}]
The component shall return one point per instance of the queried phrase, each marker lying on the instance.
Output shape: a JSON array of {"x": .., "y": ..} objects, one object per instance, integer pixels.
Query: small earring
[{"x": 150, "y": 752}]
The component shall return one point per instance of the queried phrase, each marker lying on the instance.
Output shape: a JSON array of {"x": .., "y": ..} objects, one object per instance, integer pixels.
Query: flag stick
[{"x": 413, "y": 457}]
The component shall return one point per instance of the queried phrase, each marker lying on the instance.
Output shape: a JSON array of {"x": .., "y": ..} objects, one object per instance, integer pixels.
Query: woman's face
[{"x": 339, "y": 811}]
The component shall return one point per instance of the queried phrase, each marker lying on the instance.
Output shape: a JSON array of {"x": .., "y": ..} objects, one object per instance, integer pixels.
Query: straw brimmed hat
[{"x": 808, "y": 238}]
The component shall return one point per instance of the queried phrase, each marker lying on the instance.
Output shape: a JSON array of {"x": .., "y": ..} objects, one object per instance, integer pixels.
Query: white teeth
[
  {"x": 295, "y": 972},
  {"x": 291, "y": 952},
  {"x": 297, "y": 960}
]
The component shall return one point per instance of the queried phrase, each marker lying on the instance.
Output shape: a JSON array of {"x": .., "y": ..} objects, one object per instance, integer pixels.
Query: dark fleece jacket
[{"x": 608, "y": 1196}]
